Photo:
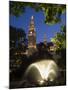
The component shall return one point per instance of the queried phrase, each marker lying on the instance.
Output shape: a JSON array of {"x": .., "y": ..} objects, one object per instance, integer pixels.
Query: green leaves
[
  {"x": 52, "y": 12},
  {"x": 60, "y": 39},
  {"x": 17, "y": 8}
]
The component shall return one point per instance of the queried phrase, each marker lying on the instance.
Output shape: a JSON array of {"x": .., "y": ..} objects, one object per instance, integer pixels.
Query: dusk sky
[{"x": 42, "y": 30}]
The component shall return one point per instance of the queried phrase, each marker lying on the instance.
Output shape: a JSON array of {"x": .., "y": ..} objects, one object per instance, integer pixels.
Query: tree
[
  {"x": 60, "y": 39},
  {"x": 52, "y": 12},
  {"x": 17, "y": 35}
]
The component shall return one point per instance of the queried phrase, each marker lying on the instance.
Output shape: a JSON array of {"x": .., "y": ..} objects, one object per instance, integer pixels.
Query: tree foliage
[
  {"x": 60, "y": 39},
  {"x": 17, "y": 45},
  {"x": 17, "y": 35},
  {"x": 52, "y": 12}
]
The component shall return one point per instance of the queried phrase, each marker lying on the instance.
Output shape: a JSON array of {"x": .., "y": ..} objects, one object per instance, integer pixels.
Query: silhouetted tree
[
  {"x": 16, "y": 36},
  {"x": 52, "y": 12},
  {"x": 60, "y": 41}
]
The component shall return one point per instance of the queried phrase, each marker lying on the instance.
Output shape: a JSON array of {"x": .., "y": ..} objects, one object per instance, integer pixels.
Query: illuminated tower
[{"x": 31, "y": 37}]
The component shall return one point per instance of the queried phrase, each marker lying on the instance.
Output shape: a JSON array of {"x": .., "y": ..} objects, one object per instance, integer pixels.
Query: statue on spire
[{"x": 32, "y": 17}]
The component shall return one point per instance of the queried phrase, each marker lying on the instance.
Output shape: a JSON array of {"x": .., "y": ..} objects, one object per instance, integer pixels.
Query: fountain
[{"x": 44, "y": 70}]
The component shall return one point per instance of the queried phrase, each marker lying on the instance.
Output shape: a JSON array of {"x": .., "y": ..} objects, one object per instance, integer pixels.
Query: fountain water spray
[{"x": 42, "y": 70}]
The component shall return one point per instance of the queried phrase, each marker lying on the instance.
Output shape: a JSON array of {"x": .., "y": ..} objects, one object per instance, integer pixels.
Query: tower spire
[
  {"x": 31, "y": 36},
  {"x": 32, "y": 27}
]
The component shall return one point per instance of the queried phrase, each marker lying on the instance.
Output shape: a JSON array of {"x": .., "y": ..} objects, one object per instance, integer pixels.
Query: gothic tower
[{"x": 31, "y": 37}]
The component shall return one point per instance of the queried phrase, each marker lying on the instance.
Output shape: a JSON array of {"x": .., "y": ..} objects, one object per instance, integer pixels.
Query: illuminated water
[{"x": 42, "y": 71}]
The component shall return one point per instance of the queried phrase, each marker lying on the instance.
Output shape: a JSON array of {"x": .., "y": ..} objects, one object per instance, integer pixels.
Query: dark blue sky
[{"x": 41, "y": 28}]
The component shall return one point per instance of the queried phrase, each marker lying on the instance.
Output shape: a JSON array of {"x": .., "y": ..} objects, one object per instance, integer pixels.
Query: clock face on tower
[{"x": 31, "y": 32}]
